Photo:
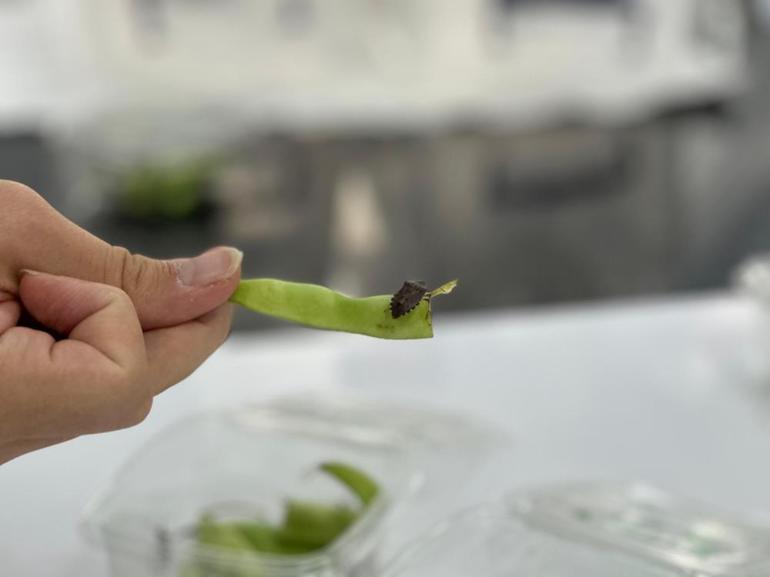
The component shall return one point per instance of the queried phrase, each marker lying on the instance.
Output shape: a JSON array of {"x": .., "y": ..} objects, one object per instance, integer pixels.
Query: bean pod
[{"x": 322, "y": 308}]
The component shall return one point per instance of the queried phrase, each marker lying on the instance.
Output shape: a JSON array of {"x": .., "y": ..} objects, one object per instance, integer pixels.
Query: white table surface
[{"x": 676, "y": 392}]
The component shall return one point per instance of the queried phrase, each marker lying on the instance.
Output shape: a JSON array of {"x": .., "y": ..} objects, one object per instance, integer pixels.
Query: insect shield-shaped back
[{"x": 407, "y": 298}]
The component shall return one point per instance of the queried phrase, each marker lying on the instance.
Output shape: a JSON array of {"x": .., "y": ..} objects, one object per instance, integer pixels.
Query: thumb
[
  {"x": 34, "y": 236},
  {"x": 171, "y": 292}
]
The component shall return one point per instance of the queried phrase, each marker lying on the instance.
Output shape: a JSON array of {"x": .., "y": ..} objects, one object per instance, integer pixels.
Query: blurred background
[{"x": 543, "y": 151}]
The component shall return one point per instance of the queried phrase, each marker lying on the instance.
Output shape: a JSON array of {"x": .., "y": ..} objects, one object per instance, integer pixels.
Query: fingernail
[{"x": 212, "y": 266}]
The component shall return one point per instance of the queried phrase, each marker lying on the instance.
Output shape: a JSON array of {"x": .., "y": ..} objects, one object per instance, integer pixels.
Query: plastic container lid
[
  {"x": 650, "y": 524},
  {"x": 590, "y": 530}
]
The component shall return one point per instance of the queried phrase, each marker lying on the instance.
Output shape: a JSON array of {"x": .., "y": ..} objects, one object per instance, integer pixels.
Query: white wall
[{"x": 356, "y": 60}]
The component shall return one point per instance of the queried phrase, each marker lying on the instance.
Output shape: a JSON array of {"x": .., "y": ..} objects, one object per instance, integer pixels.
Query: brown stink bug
[{"x": 407, "y": 298}]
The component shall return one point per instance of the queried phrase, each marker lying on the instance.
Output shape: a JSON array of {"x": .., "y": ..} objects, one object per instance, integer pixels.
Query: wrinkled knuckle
[
  {"x": 118, "y": 267},
  {"x": 131, "y": 272}
]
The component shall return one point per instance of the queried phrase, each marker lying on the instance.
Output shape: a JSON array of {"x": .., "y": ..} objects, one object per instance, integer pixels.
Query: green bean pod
[
  {"x": 320, "y": 307},
  {"x": 364, "y": 487}
]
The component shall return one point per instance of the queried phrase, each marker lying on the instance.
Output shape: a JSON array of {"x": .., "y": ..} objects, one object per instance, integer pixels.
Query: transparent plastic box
[
  {"x": 590, "y": 530},
  {"x": 244, "y": 463}
]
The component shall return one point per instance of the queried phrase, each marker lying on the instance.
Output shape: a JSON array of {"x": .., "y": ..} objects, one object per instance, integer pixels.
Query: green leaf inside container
[{"x": 306, "y": 526}]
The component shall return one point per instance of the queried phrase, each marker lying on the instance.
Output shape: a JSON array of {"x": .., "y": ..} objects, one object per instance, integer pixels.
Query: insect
[{"x": 408, "y": 297}]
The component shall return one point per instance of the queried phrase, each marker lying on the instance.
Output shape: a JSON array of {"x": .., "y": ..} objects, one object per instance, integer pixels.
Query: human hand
[{"x": 128, "y": 326}]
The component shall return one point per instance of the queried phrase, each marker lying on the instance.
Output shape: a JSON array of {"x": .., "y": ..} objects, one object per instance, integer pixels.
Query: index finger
[{"x": 99, "y": 316}]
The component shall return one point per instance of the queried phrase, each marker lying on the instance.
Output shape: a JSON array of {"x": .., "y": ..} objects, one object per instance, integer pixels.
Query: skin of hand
[{"x": 126, "y": 327}]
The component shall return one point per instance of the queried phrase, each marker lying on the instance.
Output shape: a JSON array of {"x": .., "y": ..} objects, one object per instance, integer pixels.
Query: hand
[{"x": 129, "y": 326}]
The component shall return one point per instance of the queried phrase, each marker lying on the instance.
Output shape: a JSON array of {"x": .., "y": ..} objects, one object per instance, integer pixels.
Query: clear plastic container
[
  {"x": 245, "y": 463},
  {"x": 689, "y": 537},
  {"x": 590, "y": 530}
]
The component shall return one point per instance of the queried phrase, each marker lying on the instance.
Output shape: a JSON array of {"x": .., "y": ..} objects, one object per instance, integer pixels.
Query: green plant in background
[
  {"x": 306, "y": 527},
  {"x": 164, "y": 192},
  {"x": 320, "y": 307}
]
